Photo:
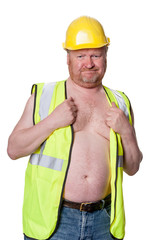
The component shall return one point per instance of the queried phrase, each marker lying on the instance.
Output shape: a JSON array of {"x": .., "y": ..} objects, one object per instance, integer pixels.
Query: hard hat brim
[{"x": 86, "y": 45}]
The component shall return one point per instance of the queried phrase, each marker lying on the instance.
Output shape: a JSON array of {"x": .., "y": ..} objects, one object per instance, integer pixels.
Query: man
[{"x": 80, "y": 137}]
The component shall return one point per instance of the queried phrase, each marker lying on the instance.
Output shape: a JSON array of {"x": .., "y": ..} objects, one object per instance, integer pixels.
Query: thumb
[
  {"x": 114, "y": 105},
  {"x": 70, "y": 99}
]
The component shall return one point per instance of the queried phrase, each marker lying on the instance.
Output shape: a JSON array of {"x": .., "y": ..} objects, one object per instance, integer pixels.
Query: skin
[
  {"x": 91, "y": 115},
  {"x": 95, "y": 59},
  {"x": 87, "y": 66}
]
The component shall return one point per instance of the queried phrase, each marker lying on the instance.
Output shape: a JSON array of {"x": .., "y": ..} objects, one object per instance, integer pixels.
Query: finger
[
  {"x": 75, "y": 114},
  {"x": 108, "y": 123},
  {"x": 71, "y": 99},
  {"x": 74, "y": 108},
  {"x": 114, "y": 105}
]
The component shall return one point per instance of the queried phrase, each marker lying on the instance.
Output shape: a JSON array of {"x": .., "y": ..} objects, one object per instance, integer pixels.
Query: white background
[{"x": 31, "y": 36}]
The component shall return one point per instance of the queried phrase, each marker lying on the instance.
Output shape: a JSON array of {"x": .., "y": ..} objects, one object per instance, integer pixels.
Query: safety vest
[{"x": 48, "y": 167}]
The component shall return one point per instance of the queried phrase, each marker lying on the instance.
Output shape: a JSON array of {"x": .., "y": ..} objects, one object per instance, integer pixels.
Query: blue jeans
[{"x": 77, "y": 225}]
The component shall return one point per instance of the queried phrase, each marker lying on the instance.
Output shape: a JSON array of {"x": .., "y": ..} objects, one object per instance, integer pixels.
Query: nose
[{"x": 89, "y": 63}]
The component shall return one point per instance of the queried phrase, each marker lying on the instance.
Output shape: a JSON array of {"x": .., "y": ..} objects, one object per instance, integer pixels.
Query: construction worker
[{"x": 80, "y": 137}]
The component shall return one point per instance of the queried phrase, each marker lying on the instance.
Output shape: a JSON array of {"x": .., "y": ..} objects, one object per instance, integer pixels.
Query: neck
[{"x": 84, "y": 90}]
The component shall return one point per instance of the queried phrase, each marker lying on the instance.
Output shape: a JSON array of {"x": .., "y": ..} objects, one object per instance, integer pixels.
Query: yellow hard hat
[{"x": 85, "y": 32}]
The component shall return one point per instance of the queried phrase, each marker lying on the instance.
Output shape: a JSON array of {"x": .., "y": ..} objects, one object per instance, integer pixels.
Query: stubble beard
[
  {"x": 89, "y": 80},
  {"x": 86, "y": 81}
]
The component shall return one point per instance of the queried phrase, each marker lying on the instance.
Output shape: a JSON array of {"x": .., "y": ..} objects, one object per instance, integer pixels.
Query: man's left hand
[{"x": 117, "y": 120}]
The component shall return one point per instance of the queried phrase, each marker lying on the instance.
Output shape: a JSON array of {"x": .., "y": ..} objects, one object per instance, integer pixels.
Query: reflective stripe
[
  {"x": 121, "y": 102},
  {"x": 46, "y": 161},
  {"x": 45, "y": 100},
  {"x": 120, "y": 161},
  {"x": 44, "y": 105}
]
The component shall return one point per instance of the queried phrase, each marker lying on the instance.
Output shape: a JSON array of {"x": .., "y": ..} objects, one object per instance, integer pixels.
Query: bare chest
[
  {"x": 89, "y": 172},
  {"x": 91, "y": 116}
]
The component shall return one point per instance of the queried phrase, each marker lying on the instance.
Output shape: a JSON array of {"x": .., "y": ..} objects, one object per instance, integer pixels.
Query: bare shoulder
[{"x": 26, "y": 119}]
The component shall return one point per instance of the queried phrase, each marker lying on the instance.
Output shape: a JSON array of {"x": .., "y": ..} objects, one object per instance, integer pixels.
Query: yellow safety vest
[{"x": 48, "y": 167}]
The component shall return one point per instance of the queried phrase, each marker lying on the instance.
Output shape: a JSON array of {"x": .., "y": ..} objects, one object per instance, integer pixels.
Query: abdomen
[{"x": 88, "y": 177}]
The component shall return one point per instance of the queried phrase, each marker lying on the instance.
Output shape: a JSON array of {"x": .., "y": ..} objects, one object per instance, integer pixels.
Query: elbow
[
  {"x": 133, "y": 170},
  {"x": 135, "y": 165},
  {"x": 10, "y": 150},
  {"x": 11, "y": 154}
]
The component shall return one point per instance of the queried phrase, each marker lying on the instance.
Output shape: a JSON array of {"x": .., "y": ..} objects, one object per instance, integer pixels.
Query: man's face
[{"x": 87, "y": 66}]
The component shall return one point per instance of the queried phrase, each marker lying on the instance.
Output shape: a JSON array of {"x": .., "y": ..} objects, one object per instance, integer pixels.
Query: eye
[
  {"x": 80, "y": 56},
  {"x": 95, "y": 56}
]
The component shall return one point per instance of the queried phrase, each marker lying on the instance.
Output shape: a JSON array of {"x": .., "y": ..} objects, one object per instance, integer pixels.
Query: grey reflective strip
[
  {"x": 47, "y": 161},
  {"x": 45, "y": 100},
  {"x": 44, "y": 105},
  {"x": 121, "y": 102},
  {"x": 120, "y": 161}
]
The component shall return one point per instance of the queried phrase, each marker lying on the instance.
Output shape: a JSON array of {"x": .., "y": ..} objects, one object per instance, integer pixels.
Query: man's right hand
[
  {"x": 26, "y": 137},
  {"x": 65, "y": 113}
]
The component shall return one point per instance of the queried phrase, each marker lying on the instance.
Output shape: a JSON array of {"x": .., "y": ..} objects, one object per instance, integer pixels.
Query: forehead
[{"x": 88, "y": 51}]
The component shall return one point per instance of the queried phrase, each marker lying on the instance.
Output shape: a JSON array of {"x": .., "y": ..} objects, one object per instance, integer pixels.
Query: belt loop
[
  {"x": 81, "y": 206},
  {"x": 103, "y": 202}
]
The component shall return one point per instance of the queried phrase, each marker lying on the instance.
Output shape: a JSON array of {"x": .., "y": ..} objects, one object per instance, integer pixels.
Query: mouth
[{"x": 89, "y": 71}]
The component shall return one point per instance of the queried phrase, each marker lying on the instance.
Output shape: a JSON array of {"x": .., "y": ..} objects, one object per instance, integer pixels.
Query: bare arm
[
  {"x": 132, "y": 154},
  {"x": 26, "y": 137},
  {"x": 117, "y": 120}
]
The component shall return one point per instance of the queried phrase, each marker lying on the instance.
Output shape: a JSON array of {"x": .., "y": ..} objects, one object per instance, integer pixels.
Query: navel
[{"x": 84, "y": 176}]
